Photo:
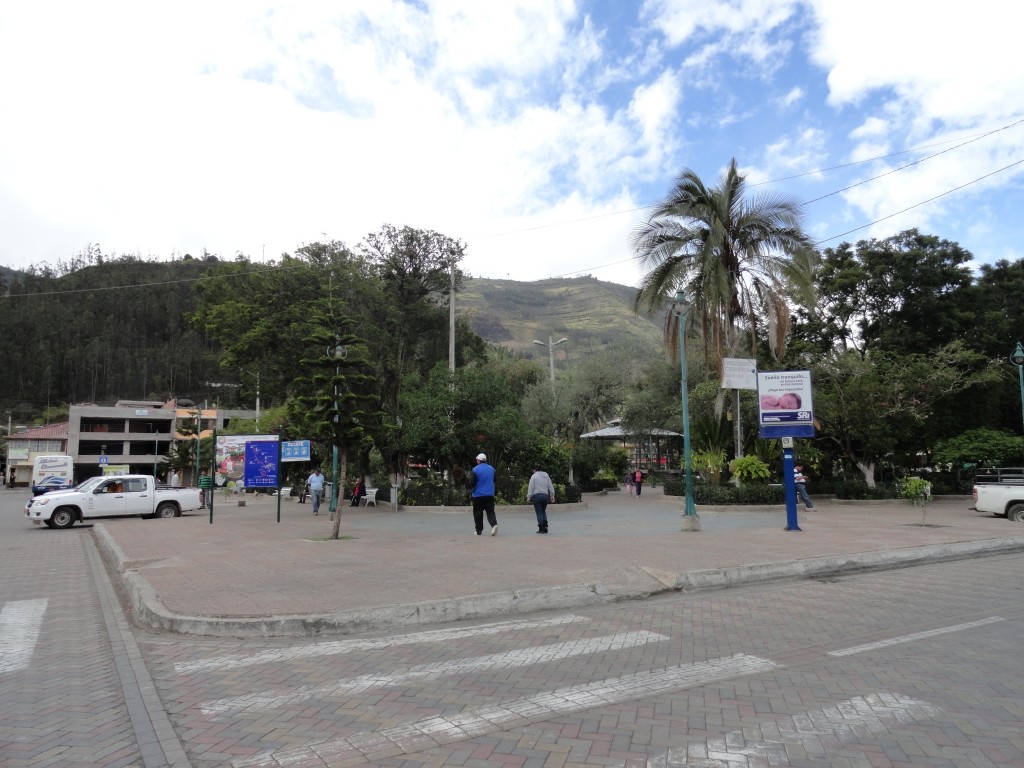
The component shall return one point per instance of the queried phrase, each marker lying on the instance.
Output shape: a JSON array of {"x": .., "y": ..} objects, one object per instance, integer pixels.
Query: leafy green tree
[
  {"x": 982, "y": 446},
  {"x": 415, "y": 272},
  {"x": 907, "y": 293},
  {"x": 731, "y": 252},
  {"x": 334, "y": 392},
  {"x": 867, "y": 407}
]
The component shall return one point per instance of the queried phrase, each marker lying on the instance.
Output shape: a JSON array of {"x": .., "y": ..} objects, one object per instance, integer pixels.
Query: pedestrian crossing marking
[
  {"x": 519, "y": 657},
  {"x": 336, "y": 647},
  {"x": 435, "y": 731},
  {"x": 20, "y": 622}
]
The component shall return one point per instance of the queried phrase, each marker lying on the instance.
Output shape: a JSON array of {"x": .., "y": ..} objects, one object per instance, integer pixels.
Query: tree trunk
[
  {"x": 868, "y": 470},
  {"x": 342, "y": 466}
]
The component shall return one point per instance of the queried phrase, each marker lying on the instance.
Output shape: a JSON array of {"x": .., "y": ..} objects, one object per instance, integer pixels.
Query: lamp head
[
  {"x": 681, "y": 304},
  {"x": 1017, "y": 356}
]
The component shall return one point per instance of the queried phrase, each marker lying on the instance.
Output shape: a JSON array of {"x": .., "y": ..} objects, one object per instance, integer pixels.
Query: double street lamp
[
  {"x": 551, "y": 353},
  {"x": 691, "y": 520},
  {"x": 338, "y": 353}
]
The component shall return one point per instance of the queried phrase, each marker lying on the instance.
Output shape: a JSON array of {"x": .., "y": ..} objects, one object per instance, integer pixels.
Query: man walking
[
  {"x": 483, "y": 495},
  {"x": 800, "y": 481},
  {"x": 316, "y": 489},
  {"x": 541, "y": 492}
]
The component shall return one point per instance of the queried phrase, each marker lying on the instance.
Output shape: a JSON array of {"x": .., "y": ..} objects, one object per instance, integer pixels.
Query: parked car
[
  {"x": 111, "y": 496},
  {"x": 1000, "y": 492}
]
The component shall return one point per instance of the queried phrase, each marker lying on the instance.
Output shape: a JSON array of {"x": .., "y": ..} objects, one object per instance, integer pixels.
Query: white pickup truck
[
  {"x": 1000, "y": 492},
  {"x": 111, "y": 496}
]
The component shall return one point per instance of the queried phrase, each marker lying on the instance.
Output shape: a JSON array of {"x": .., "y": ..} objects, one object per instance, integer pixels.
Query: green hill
[{"x": 592, "y": 314}]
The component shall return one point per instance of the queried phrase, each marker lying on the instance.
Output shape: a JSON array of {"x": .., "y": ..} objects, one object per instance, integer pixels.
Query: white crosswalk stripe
[
  {"x": 861, "y": 717},
  {"x": 20, "y": 622},
  {"x": 435, "y": 731},
  {"x": 349, "y": 646},
  {"x": 506, "y": 660}
]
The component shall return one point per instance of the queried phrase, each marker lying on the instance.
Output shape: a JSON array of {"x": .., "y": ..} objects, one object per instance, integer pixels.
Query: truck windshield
[{"x": 87, "y": 485}]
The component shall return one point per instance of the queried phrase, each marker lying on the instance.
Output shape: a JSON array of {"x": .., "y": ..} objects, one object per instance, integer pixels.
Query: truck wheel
[
  {"x": 49, "y": 523},
  {"x": 166, "y": 510},
  {"x": 63, "y": 517},
  {"x": 1015, "y": 513}
]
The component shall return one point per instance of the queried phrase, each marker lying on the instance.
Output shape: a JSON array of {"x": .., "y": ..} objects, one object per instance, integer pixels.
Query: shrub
[
  {"x": 723, "y": 495},
  {"x": 750, "y": 469},
  {"x": 857, "y": 490}
]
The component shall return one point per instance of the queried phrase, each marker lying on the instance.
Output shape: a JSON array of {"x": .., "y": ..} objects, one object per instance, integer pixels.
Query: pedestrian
[
  {"x": 358, "y": 492},
  {"x": 316, "y": 489},
  {"x": 629, "y": 482},
  {"x": 175, "y": 480},
  {"x": 541, "y": 492},
  {"x": 483, "y": 495},
  {"x": 638, "y": 480},
  {"x": 800, "y": 481},
  {"x": 206, "y": 488}
]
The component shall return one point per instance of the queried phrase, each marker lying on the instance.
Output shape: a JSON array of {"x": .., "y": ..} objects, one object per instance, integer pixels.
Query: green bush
[
  {"x": 857, "y": 490},
  {"x": 750, "y": 469},
  {"x": 724, "y": 495}
]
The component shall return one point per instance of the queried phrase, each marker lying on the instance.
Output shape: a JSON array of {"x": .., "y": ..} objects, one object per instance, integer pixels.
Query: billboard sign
[
  {"x": 785, "y": 405},
  {"x": 230, "y": 457},
  {"x": 261, "y": 464},
  {"x": 739, "y": 373},
  {"x": 295, "y": 450}
]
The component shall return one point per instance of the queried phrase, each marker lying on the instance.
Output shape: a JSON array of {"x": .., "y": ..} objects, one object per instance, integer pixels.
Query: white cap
[{"x": 481, "y": 457}]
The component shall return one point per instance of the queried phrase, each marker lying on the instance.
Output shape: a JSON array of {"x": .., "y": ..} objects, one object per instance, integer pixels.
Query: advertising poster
[
  {"x": 261, "y": 464},
  {"x": 784, "y": 404},
  {"x": 230, "y": 457}
]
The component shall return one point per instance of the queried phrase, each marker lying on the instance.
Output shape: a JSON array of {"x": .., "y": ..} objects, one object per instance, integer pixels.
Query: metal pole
[
  {"x": 691, "y": 520},
  {"x": 551, "y": 358},
  {"x": 1018, "y": 358}
]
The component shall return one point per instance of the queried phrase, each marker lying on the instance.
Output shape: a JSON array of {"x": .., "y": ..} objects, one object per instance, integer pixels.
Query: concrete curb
[{"x": 634, "y": 583}]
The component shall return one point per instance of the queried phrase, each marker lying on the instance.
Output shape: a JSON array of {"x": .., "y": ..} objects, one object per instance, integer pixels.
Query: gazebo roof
[{"x": 618, "y": 433}]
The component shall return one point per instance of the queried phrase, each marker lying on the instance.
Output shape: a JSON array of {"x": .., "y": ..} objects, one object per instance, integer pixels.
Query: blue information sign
[
  {"x": 295, "y": 450},
  {"x": 261, "y": 464}
]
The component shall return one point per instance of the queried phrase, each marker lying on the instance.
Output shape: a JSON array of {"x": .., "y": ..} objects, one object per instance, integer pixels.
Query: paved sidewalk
[{"x": 247, "y": 575}]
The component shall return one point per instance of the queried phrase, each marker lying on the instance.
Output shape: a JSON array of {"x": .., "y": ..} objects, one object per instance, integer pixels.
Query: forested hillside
[{"x": 101, "y": 329}]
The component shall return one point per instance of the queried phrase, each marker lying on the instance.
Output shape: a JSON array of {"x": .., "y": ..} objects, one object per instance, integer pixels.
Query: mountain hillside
[{"x": 592, "y": 314}]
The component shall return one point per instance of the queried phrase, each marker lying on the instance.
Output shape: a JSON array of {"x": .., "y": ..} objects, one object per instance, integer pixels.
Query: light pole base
[{"x": 691, "y": 523}]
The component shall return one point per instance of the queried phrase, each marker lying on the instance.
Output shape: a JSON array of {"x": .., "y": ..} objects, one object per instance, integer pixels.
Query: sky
[{"x": 537, "y": 132}]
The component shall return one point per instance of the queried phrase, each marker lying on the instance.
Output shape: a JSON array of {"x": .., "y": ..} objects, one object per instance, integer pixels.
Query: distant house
[{"x": 24, "y": 446}]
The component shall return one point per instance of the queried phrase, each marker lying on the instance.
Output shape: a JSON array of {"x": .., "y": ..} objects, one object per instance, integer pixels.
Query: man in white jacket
[{"x": 541, "y": 492}]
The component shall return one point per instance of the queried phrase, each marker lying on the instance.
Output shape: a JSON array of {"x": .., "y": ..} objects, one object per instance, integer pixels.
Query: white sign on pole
[{"x": 739, "y": 373}]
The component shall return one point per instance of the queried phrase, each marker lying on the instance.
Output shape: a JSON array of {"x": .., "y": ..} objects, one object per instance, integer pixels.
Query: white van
[{"x": 52, "y": 473}]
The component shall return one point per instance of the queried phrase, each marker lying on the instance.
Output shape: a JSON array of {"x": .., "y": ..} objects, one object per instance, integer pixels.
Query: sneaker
[
  {"x": 494, "y": 530},
  {"x": 478, "y": 533}
]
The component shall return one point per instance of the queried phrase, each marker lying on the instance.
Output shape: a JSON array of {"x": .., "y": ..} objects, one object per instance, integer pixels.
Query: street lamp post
[
  {"x": 338, "y": 352},
  {"x": 691, "y": 520},
  {"x": 1017, "y": 358},
  {"x": 551, "y": 354},
  {"x": 551, "y": 363}
]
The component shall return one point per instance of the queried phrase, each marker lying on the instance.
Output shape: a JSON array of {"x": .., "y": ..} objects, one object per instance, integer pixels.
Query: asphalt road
[{"x": 919, "y": 666}]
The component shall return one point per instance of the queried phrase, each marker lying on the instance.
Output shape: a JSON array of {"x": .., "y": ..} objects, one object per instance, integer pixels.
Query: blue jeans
[
  {"x": 540, "y": 508},
  {"x": 317, "y": 495},
  {"x": 801, "y": 491}
]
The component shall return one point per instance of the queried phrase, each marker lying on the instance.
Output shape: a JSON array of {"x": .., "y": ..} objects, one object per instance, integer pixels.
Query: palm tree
[{"x": 733, "y": 256}]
